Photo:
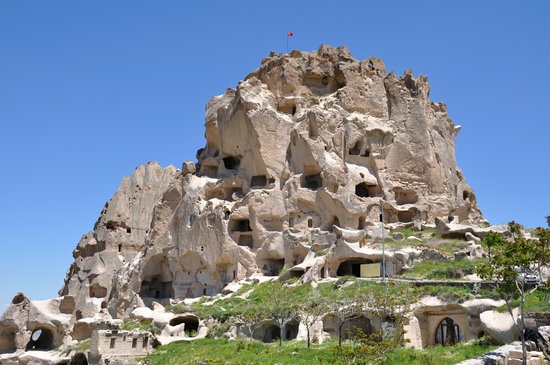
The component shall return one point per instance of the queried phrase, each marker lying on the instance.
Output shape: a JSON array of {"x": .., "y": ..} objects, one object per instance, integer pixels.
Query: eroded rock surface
[{"x": 300, "y": 161}]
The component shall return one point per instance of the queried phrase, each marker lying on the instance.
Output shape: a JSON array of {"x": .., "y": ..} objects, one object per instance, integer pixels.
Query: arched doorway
[
  {"x": 191, "y": 323},
  {"x": 79, "y": 359},
  {"x": 448, "y": 332},
  {"x": 41, "y": 340},
  {"x": 157, "y": 279}
]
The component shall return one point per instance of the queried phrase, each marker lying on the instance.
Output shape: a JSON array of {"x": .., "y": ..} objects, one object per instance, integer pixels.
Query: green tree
[
  {"x": 389, "y": 303},
  {"x": 281, "y": 308},
  {"x": 311, "y": 310},
  {"x": 512, "y": 259},
  {"x": 491, "y": 239},
  {"x": 253, "y": 318},
  {"x": 343, "y": 306}
]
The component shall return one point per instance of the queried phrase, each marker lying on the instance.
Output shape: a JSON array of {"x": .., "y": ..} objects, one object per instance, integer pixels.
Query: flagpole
[
  {"x": 287, "y": 43},
  {"x": 288, "y": 35}
]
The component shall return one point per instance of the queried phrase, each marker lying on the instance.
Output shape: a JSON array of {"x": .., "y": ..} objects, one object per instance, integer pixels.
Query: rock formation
[{"x": 300, "y": 162}]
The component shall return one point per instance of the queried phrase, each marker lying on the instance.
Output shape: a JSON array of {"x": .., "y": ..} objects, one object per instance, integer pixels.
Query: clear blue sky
[{"x": 91, "y": 89}]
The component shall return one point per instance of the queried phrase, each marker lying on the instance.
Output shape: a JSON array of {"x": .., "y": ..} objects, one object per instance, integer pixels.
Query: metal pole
[
  {"x": 287, "y": 43},
  {"x": 383, "y": 250}
]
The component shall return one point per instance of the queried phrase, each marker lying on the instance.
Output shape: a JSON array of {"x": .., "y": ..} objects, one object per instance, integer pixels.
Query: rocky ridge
[{"x": 301, "y": 160}]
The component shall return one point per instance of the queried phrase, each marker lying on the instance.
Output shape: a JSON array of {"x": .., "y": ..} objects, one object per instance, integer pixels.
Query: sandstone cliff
[{"x": 299, "y": 160}]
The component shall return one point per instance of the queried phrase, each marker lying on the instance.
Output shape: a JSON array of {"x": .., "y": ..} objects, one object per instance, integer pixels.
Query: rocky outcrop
[
  {"x": 500, "y": 326},
  {"x": 301, "y": 160},
  {"x": 35, "y": 325}
]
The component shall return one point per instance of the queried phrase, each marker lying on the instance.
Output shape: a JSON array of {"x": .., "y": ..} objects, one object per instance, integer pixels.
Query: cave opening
[
  {"x": 41, "y": 340},
  {"x": 258, "y": 181},
  {"x": 231, "y": 162},
  {"x": 191, "y": 324},
  {"x": 312, "y": 182}
]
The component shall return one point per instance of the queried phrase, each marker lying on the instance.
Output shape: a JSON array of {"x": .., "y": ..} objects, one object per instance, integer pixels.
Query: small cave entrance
[
  {"x": 7, "y": 339},
  {"x": 231, "y": 162},
  {"x": 41, "y": 340},
  {"x": 271, "y": 333},
  {"x": 240, "y": 225},
  {"x": 355, "y": 325},
  {"x": 468, "y": 196},
  {"x": 79, "y": 359},
  {"x": 323, "y": 84},
  {"x": 272, "y": 267},
  {"x": 448, "y": 333},
  {"x": 297, "y": 272},
  {"x": 156, "y": 288},
  {"x": 312, "y": 182},
  {"x": 405, "y": 196},
  {"x": 258, "y": 181},
  {"x": 335, "y": 222},
  {"x": 287, "y": 107},
  {"x": 157, "y": 279},
  {"x": 362, "y": 190},
  {"x": 241, "y": 232},
  {"x": 358, "y": 268},
  {"x": 356, "y": 149},
  {"x": 405, "y": 216},
  {"x": 191, "y": 324},
  {"x": 18, "y": 299},
  {"x": 291, "y": 330},
  {"x": 97, "y": 291}
]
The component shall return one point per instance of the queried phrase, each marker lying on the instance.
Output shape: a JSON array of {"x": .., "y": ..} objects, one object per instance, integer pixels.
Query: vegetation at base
[
  {"x": 241, "y": 352},
  {"x": 223, "y": 351},
  {"x": 510, "y": 260},
  {"x": 444, "y": 269},
  {"x": 176, "y": 308},
  {"x": 440, "y": 355},
  {"x": 455, "y": 293},
  {"x": 80, "y": 346},
  {"x": 133, "y": 325},
  {"x": 282, "y": 301},
  {"x": 535, "y": 303}
]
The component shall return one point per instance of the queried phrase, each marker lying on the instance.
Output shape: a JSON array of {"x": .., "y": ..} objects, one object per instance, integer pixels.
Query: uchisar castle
[{"x": 309, "y": 163}]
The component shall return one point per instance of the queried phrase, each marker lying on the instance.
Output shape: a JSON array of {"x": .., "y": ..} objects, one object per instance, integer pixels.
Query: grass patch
[
  {"x": 446, "y": 246},
  {"x": 455, "y": 293},
  {"x": 134, "y": 325},
  {"x": 443, "y": 270},
  {"x": 80, "y": 346},
  {"x": 240, "y": 352},
  {"x": 440, "y": 355},
  {"x": 534, "y": 302}
]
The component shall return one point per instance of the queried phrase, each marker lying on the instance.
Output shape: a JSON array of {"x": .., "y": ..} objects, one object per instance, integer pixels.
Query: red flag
[{"x": 290, "y": 34}]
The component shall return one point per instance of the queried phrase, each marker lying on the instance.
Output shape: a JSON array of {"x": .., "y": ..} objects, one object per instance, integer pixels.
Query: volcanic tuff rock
[{"x": 299, "y": 159}]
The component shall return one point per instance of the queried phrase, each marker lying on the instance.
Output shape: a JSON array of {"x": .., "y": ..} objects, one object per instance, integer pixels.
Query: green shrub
[
  {"x": 176, "y": 308},
  {"x": 134, "y": 325}
]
